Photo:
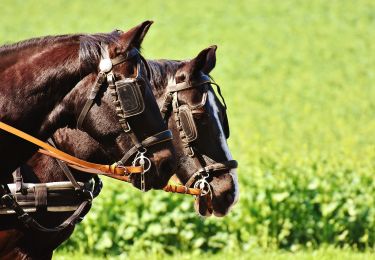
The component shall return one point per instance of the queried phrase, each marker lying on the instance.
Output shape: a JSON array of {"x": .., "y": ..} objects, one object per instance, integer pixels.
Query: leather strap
[
  {"x": 121, "y": 58},
  {"x": 170, "y": 104},
  {"x": 71, "y": 160},
  {"x": 149, "y": 141},
  {"x": 65, "y": 169},
  {"x": 182, "y": 189},
  {"x": 40, "y": 197},
  {"x": 90, "y": 99},
  {"x": 17, "y": 178},
  {"x": 31, "y": 223},
  {"x": 231, "y": 164}
]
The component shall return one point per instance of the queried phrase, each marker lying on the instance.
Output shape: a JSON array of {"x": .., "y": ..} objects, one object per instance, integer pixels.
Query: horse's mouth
[
  {"x": 207, "y": 205},
  {"x": 203, "y": 206}
]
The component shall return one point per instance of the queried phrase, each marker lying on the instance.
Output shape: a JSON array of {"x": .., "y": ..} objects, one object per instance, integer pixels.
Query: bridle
[
  {"x": 183, "y": 116},
  {"x": 129, "y": 102}
]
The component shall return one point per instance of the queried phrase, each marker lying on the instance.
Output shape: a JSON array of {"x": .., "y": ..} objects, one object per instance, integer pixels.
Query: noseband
[
  {"x": 129, "y": 102},
  {"x": 183, "y": 115}
]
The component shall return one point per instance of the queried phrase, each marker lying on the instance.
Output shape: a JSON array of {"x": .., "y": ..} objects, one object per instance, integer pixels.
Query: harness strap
[
  {"x": 40, "y": 202},
  {"x": 71, "y": 160},
  {"x": 40, "y": 197},
  {"x": 17, "y": 178},
  {"x": 227, "y": 165},
  {"x": 31, "y": 223},
  {"x": 65, "y": 169},
  {"x": 185, "y": 85},
  {"x": 121, "y": 58},
  {"x": 90, "y": 99},
  {"x": 165, "y": 109},
  {"x": 163, "y": 136}
]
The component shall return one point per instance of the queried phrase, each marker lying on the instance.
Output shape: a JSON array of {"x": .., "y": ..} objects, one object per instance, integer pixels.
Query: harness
[
  {"x": 22, "y": 198},
  {"x": 183, "y": 115},
  {"x": 129, "y": 102}
]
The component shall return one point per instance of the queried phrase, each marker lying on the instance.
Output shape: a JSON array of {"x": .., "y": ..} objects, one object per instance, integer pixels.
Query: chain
[
  {"x": 203, "y": 184},
  {"x": 141, "y": 160}
]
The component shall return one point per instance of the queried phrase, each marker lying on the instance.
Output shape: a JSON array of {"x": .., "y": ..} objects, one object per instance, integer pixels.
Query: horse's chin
[
  {"x": 224, "y": 196},
  {"x": 205, "y": 208},
  {"x": 202, "y": 206}
]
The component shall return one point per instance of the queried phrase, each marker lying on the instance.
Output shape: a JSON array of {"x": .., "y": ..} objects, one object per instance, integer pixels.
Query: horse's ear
[
  {"x": 205, "y": 61},
  {"x": 134, "y": 37}
]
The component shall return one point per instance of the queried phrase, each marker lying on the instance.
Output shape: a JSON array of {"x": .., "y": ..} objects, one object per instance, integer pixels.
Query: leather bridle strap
[
  {"x": 122, "y": 58},
  {"x": 101, "y": 78},
  {"x": 170, "y": 104},
  {"x": 150, "y": 141},
  {"x": 58, "y": 154},
  {"x": 91, "y": 98},
  {"x": 227, "y": 165}
]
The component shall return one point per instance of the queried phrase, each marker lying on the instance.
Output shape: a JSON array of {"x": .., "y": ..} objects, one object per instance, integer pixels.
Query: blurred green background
[{"x": 299, "y": 80}]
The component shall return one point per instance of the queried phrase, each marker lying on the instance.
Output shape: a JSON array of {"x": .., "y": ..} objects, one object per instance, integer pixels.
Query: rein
[{"x": 108, "y": 170}]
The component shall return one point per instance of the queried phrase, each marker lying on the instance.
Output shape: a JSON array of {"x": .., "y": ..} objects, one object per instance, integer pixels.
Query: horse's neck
[
  {"x": 73, "y": 142},
  {"x": 30, "y": 89},
  {"x": 35, "y": 83}
]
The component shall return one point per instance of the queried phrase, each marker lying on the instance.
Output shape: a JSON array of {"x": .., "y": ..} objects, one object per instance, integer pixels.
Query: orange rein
[
  {"x": 113, "y": 171},
  {"x": 85, "y": 166}
]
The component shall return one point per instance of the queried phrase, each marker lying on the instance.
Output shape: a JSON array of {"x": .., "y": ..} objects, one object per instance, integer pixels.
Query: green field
[
  {"x": 321, "y": 254},
  {"x": 299, "y": 80}
]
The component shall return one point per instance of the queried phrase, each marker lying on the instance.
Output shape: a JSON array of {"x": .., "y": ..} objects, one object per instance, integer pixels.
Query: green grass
[
  {"x": 321, "y": 254},
  {"x": 299, "y": 80}
]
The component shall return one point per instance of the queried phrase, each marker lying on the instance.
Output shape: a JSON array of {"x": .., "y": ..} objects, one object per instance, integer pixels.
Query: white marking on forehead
[
  {"x": 171, "y": 80},
  {"x": 215, "y": 109}
]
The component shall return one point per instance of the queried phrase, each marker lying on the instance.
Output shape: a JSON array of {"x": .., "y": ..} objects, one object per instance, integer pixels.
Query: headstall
[{"x": 183, "y": 116}]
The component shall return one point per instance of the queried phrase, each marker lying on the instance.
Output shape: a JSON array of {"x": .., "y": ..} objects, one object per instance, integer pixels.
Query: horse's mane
[
  {"x": 90, "y": 45},
  {"x": 30, "y": 43}
]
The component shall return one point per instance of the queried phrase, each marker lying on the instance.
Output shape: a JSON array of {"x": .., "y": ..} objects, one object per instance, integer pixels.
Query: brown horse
[
  {"x": 39, "y": 94},
  {"x": 211, "y": 126},
  {"x": 200, "y": 119}
]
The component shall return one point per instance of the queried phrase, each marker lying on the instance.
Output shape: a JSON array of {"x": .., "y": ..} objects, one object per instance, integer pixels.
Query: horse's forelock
[
  {"x": 162, "y": 71},
  {"x": 90, "y": 47}
]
